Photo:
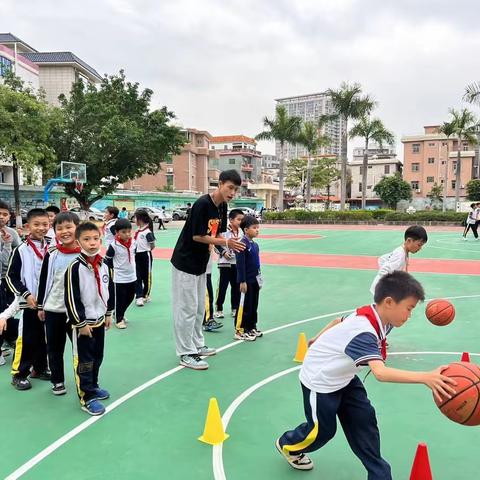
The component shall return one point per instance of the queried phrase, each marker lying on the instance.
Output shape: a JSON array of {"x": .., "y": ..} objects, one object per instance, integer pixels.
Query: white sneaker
[
  {"x": 140, "y": 302},
  {"x": 244, "y": 336},
  {"x": 206, "y": 351},
  {"x": 121, "y": 325},
  {"x": 2, "y": 360},
  {"x": 194, "y": 362},
  {"x": 218, "y": 315},
  {"x": 147, "y": 299},
  {"x": 298, "y": 462}
]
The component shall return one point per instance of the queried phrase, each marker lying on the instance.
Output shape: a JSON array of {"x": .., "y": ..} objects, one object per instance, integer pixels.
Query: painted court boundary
[
  {"x": 217, "y": 450},
  {"x": 132, "y": 393}
]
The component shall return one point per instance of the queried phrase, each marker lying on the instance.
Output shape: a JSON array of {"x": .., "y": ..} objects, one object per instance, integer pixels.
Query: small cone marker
[
  {"x": 465, "y": 357},
  {"x": 421, "y": 465},
  {"x": 302, "y": 347},
  {"x": 213, "y": 433}
]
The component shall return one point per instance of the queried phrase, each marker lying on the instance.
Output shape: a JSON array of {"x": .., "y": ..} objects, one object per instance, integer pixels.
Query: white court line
[
  {"x": 87, "y": 423},
  {"x": 217, "y": 450}
]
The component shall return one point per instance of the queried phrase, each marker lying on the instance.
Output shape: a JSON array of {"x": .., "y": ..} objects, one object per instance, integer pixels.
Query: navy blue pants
[
  {"x": 228, "y": 276},
  {"x": 358, "y": 420}
]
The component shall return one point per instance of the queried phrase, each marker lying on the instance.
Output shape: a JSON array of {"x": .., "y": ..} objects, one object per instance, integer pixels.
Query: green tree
[
  {"x": 312, "y": 139},
  {"x": 465, "y": 128},
  {"x": 370, "y": 129},
  {"x": 112, "y": 130},
  {"x": 285, "y": 130},
  {"x": 348, "y": 104},
  {"x": 296, "y": 173},
  {"x": 393, "y": 189},
  {"x": 473, "y": 190},
  {"x": 435, "y": 194},
  {"x": 448, "y": 129},
  {"x": 26, "y": 122},
  {"x": 472, "y": 93}
]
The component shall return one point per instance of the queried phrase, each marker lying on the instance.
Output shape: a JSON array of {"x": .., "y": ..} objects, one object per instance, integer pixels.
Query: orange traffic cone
[
  {"x": 465, "y": 357},
  {"x": 213, "y": 433},
  {"x": 302, "y": 347},
  {"x": 421, "y": 465}
]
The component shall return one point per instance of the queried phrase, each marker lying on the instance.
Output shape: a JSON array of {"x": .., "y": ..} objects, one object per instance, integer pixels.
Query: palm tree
[
  {"x": 370, "y": 129},
  {"x": 284, "y": 129},
  {"x": 472, "y": 93},
  {"x": 448, "y": 129},
  {"x": 347, "y": 104},
  {"x": 465, "y": 129},
  {"x": 312, "y": 139}
]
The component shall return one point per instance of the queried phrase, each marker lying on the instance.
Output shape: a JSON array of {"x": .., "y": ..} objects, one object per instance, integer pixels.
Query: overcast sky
[{"x": 219, "y": 64}]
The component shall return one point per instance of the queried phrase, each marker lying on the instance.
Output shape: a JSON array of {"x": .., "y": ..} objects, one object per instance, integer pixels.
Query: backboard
[{"x": 76, "y": 172}]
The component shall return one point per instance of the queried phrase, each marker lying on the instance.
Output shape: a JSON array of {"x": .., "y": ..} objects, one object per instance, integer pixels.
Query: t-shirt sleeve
[
  {"x": 363, "y": 348},
  {"x": 199, "y": 218}
]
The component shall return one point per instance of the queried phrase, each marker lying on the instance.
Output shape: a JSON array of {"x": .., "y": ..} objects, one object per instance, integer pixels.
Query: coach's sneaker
[
  {"x": 247, "y": 336},
  {"x": 2, "y": 360},
  {"x": 194, "y": 362},
  {"x": 206, "y": 351},
  {"x": 140, "y": 302},
  {"x": 93, "y": 407},
  {"x": 59, "y": 389},
  {"x": 121, "y": 325},
  {"x": 299, "y": 462},
  {"x": 21, "y": 383},
  {"x": 101, "y": 394},
  {"x": 218, "y": 315},
  {"x": 45, "y": 375}
]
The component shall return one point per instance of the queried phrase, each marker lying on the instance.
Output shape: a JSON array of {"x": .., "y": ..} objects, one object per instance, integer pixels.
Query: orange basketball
[
  {"x": 440, "y": 312},
  {"x": 464, "y": 406}
]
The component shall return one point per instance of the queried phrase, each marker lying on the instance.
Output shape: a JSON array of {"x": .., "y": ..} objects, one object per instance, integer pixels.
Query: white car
[
  {"x": 155, "y": 214},
  {"x": 91, "y": 214},
  {"x": 248, "y": 211}
]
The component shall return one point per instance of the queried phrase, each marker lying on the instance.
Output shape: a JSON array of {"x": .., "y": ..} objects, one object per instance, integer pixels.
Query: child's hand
[
  {"x": 108, "y": 322},
  {"x": 86, "y": 331},
  {"x": 440, "y": 384},
  {"x": 41, "y": 315},
  {"x": 6, "y": 237},
  {"x": 3, "y": 325},
  {"x": 243, "y": 287},
  {"x": 32, "y": 302},
  {"x": 228, "y": 255}
]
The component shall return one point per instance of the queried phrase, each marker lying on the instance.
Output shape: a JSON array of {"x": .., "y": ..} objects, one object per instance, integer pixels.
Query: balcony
[{"x": 246, "y": 167}]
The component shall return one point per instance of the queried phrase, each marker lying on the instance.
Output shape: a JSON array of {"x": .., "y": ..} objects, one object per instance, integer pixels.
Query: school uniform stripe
[
  {"x": 81, "y": 393},
  {"x": 18, "y": 348}
]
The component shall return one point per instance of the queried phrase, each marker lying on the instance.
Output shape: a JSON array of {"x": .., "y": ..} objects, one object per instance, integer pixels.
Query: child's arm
[
  {"x": 241, "y": 270},
  {"x": 73, "y": 299},
  {"x": 42, "y": 283},
  {"x": 111, "y": 300},
  {"x": 14, "y": 281},
  {"x": 324, "y": 329},
  {"x": 151, "y": 240},
  {"x": 440, "y": 385},
  {"x": 109, "y": 256}
]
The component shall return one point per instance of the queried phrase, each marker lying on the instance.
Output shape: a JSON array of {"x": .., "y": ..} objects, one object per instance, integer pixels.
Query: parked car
[
  {"x": 248, "y": 211},
  {"x": 91, "y": 214},
  {"x": 180, "y": 213},
  {"x": 155, "y": 214}
]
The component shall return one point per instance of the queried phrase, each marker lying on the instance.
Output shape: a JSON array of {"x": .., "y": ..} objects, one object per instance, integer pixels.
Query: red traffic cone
[
  {"x": 421, "y": 465},
  {"x": 465, "y": 357}
]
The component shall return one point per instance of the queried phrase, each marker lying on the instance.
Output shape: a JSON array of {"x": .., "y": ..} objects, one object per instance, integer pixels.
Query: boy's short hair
[
  {"x": 66, "y": 217},
  {"x": 248, "y": 221},
  {"x": 86, "y": 227},
  {"x": 399, "y": 285},
  {"x": 4, "y": 206},
  {"x": 473, "y": 205},
  {"x": 113, "y": 211},
  {"x": 34, "y": 213},
  {"x": 416, "y": 232},
  {"x": 235, "y": 213},
  {"x": 53, "y": 208},
  {"x": 123, "y": 224},
  {"x": 230, "y": 176}
]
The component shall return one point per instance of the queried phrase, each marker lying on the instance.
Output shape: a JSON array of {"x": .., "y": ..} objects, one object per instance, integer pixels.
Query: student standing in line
[{"x": 145, "y": 243}]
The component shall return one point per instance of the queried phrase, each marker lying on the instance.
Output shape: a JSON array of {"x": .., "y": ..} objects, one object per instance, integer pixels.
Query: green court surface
[{"x": 151, "y": 432}]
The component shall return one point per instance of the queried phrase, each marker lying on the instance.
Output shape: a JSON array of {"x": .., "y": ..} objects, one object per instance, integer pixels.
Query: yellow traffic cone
[
  {"x": 302, "y": 348},
  {"x": 213, "y": 434}
]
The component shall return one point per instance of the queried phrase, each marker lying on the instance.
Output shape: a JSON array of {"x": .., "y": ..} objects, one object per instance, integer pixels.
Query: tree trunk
[
  {"x": 16, "y": 192},
  {"x": 343, "y": 180},
  {"x": 364, "y": 176},
  {"x": 458, "y": 172},
  {"x": 445, "y": 180},
  {"x": 328, "y": 197},
  {"x": 308, "y": 197},
  {"x": 281, "y": 179}
]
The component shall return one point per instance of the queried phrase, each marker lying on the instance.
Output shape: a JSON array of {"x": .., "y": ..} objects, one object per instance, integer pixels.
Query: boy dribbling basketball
[{"x": 332, "y": 388}]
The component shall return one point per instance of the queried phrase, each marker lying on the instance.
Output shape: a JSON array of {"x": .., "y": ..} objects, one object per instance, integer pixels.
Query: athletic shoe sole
[
  {"x": 59, "y": 392},
  {"x": 287, "y": 458},
  {"x": 193, "y": 367},
  {"x": 94, "y": 414}
]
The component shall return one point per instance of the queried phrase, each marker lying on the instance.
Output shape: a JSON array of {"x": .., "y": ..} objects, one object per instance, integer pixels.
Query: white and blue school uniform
[{"x": 331, "y": 388}]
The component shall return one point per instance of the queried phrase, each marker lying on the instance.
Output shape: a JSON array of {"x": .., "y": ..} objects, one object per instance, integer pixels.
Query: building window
[
  {"x": 431, "y": 144},
  {"x": 465, "y": 148},
  {"x": 369, "y": 187},
  {"x": 454, "y": 184},
  {"x": 225, "y": 147},
  {"x": 431, "y": 160},
  {"x": 430, "y": 179},
  {"x": 415, "y": 148},
  {"x": 360, "y": 187},
  {"x": 414, "y": 184},
  {"x": 5, "y": 66},
  {"x": 442, "y": 181},
  {"x": 361, "y": 170},
  {"x": 231, "y": 161},
  {"x": 386, "y": 169},
  {"x": 444, "y": 144},
  {"x": 454, "y": 166},
  {"x": 415, "y": 167}
]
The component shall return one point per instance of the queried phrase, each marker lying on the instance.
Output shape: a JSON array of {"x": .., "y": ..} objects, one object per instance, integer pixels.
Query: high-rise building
[
  {"x": 310, "y": 108},
  {"x": 431, "y": 158}
]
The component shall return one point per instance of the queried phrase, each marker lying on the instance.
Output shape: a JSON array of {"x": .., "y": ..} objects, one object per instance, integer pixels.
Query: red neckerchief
[
  {"x": 368, "y": 312},
  {"x": 126, "y": 244},
  {"x": 139, "y": 231},
  {"x": 95, "y": 262},
  {"x": 66, "y": 250},
  {"x": 38, "y": 253}
]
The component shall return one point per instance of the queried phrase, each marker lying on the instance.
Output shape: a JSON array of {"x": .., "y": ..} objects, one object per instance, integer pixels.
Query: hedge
[{"x": 367, "y": 215}]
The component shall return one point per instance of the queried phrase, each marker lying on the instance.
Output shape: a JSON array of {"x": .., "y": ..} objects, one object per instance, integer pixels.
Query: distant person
[
  {"x": 471, "y": 222},
  {"x": 161, "y": 218},
  {"x": 189, "y": 209},
  {"x": 145, "y": 243},
  {"x": 123, "y": 213},
  {"x": 110, "y": 217}
]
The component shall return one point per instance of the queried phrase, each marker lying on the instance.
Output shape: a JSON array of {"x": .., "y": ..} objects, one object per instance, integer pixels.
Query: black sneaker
[
  {"x": 59, "y": 389},
  {"x": 46, "y": 375},
  {"x": 256, "y": 332},
  {"x": 21, "y": 383}
]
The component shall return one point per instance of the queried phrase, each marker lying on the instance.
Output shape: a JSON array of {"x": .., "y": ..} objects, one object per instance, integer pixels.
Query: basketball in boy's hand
[
  {"x": 464, "y": 406},
  {"x": 440, "y": 312}
]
